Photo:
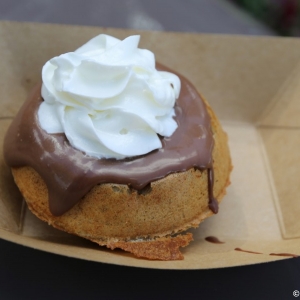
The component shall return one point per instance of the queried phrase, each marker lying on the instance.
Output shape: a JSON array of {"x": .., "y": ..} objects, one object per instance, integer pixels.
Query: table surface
[{"x": 26, "y": 273}]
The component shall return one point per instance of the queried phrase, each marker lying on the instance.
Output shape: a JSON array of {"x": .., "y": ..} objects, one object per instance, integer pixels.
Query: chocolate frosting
[{"x": 70, "y": 174}]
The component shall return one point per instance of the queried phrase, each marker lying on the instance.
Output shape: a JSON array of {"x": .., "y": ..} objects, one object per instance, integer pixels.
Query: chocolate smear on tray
[
  {"x": 284, "y": 254},
  {"x": 214, "y": 240},
  {"x": 247, "y": 251}
]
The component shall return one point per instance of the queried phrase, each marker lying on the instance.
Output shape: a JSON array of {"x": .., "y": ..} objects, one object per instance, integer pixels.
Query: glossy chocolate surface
[{"x": 70, "y": 174}]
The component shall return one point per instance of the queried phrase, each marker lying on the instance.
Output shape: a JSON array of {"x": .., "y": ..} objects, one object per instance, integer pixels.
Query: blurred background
[
  {"x": 251, "y": 17},
  {"x": 283, "y": 16}
]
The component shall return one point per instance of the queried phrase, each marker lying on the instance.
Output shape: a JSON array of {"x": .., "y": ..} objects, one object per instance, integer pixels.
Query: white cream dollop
[{"x": 108, "y": 98}]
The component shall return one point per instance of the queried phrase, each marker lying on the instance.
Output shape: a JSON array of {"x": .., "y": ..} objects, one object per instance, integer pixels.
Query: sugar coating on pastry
[{"x": 141, "y": 203}]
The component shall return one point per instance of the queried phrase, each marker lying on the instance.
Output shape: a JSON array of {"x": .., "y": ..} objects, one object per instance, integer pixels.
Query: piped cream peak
[{"x": 108, "y": 98}]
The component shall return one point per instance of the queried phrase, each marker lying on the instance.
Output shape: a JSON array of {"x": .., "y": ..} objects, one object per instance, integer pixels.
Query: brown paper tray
[{"x": 253, "y": 85}]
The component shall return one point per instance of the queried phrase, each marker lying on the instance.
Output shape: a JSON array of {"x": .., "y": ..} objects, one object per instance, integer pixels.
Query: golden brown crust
[
  {"x": 165, "y": 248},
  {"x": 117, "y": 216}
]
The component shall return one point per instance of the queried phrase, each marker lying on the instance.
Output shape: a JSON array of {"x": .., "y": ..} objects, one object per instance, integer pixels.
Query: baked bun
[
  {"x": 145, "y": 222},
  {"x": 128, "y": 156}
]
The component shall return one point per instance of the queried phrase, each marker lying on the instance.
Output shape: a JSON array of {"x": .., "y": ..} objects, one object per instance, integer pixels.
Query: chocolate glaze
[
  {"x": 70, "y": 174},
  {"x": 214, "y": 240}
]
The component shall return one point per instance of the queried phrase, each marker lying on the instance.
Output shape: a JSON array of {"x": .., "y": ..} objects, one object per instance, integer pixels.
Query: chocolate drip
[
  {"x": 213, "y": 203},
  {"x": 70, "y": 174}
]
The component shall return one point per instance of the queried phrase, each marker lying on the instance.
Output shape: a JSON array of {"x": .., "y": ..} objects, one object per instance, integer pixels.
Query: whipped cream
[{"x": 108, "y": 98}]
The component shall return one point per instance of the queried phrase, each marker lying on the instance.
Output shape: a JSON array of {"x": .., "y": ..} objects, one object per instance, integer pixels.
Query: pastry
[{"x": 119, "y": 150}]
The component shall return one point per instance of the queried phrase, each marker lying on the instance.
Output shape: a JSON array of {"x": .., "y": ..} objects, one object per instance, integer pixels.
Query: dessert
[{"x": 116, "y": 151}]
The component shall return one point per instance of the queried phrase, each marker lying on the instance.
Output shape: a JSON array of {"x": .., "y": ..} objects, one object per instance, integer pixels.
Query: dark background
[
  {"x": 26, "y": 273},
  {"x": 31, "y": 274}
]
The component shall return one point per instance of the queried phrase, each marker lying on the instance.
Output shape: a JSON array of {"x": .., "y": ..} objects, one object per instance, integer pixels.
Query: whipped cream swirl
[{"x": 108, "y": 98}]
